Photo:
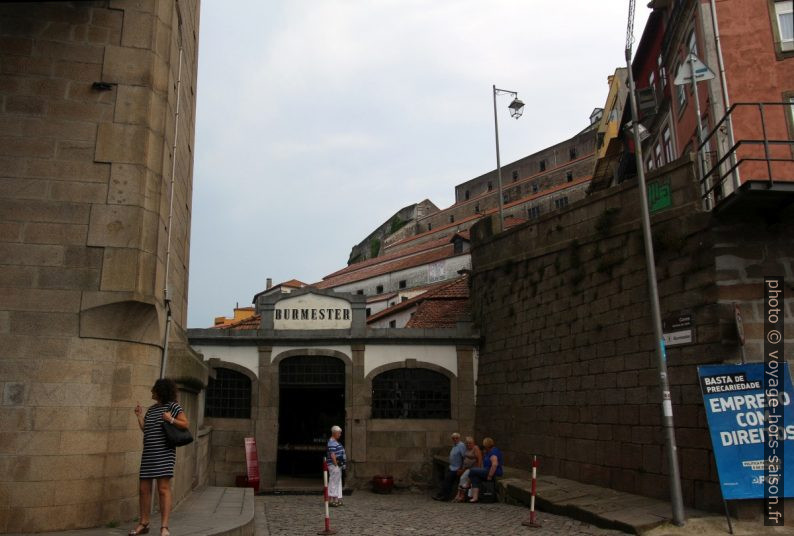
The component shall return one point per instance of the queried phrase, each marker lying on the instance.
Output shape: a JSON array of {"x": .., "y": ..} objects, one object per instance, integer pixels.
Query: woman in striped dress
[{"x": 157, "y": 459}]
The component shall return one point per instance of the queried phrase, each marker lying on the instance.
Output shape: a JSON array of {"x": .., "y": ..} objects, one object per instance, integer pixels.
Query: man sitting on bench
[{"x": 456, "y": 454}]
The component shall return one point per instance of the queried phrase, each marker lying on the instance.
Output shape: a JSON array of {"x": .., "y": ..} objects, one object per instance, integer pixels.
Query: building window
[
  {"x": 477, "y": 208},
  {"x": 569, "y": 176},
  {"x": 572, "y": 152},
  {"x": 657, "y": 151},
  {"x": 410, "y": 393},
  {"x": 667, "y": 141},
  {"x": 429, "y": 226},
  {"x": 542, "y": 165},
  {"x": 392, "y": 323},
  {"x": 404, "y": 299},
  {"x": 505, "y": 197},
  {"x": 784, "y": 17},
  {"x": 360, "y": 291},
  {"x": 662, "y": 72},
  {"x": 515, "y": 175},
  {"x": 403, "y": 283},
  {"x": 680, "y": 92},
  {"x": 534, "y": 187},
  {"x": 310, "y": 370},
  {"x": 467, "y": 195},
  {"x": 451, "y": 218},
  {"x": 652, "y": 80},
  {"x": 533, "y": 213},
  {"x": 228, "y": 395},
  {"x": 490, "y": 186},
  {"x": 379, "y": 289},
  {"x": 649, "y": 164},
  {"x": 369, "y": 311},
  {"x": 561, "y": 202}
]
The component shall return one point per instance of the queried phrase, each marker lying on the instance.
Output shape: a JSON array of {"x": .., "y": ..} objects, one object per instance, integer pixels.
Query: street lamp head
[{"x": 516, "y": 108}]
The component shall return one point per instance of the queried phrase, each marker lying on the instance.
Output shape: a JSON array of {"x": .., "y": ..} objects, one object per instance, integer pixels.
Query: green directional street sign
[{"x": 660, "y": 194}]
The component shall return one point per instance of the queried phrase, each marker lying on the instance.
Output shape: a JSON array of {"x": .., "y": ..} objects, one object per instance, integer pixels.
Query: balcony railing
[{"x": 763, "y": 151}]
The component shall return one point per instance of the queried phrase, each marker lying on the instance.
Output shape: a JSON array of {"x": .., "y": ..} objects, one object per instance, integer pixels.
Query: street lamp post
[{"x": 516, "y": 109}]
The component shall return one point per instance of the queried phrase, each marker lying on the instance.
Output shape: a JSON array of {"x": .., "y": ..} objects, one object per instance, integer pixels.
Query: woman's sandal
[{"x": 144, "y": 529}]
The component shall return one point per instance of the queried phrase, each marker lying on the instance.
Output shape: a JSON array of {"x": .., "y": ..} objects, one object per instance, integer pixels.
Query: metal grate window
[
  {"x": 228, "y": 395},
  {"x": 312, "y": 370},
  {"x": 413, "y": 393}
]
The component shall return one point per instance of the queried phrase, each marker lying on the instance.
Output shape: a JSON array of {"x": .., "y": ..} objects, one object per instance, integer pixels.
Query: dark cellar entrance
[{"x": 311, "y": 400}]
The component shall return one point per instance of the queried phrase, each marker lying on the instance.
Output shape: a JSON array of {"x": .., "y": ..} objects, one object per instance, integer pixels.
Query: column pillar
[
  {"x": 465, "y": 394},
  {"x": 358, "y": 410},
  {"x": 266, "y": 423}
]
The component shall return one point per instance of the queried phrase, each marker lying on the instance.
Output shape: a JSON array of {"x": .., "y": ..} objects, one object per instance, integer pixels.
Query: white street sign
[{"x": 684, "y": 74}]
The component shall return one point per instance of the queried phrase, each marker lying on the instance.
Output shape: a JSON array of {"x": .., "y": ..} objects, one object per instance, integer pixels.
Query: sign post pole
[{"x": 676, "y": 495}]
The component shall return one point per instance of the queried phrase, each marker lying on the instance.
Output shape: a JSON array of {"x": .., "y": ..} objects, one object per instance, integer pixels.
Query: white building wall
[
  {"x": 376, "y": 355},
  {"x": 401, "y": 318},
  {"x": 278, "y": 350},
  {"x": 245, "y": 356}
]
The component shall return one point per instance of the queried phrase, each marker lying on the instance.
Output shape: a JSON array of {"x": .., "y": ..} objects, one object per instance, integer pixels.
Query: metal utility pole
[
  {"x": 498, "y": 165},
  {"x": 676, "y": 497},
  {"x": 516, "y": 110}
]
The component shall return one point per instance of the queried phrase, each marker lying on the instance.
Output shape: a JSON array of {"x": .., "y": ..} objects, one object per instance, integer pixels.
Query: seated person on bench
[{"x": 492, "y": 467}]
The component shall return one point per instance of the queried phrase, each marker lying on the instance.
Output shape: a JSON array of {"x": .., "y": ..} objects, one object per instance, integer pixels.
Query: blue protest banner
[{"x": 734, "y": 398}]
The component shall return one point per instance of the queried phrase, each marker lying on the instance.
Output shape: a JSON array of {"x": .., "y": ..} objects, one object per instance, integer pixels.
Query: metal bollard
[
  {"x": 328, "y": 529},
  {"x": 532, "y": 521}
]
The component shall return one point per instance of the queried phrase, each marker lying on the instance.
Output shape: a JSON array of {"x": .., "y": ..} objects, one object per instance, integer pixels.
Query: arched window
[
  {"x": 410, "y": 393},
  {"x": 228, "y": 395}
]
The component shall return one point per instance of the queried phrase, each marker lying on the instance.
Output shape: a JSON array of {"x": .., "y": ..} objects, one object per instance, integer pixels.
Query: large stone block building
[{"x": 89, "y": 145}]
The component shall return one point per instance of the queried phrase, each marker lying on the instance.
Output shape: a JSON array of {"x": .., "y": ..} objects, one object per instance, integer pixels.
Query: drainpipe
[
  {"x": 166, "y": 296},
  {"x": 724, "y": 87}
]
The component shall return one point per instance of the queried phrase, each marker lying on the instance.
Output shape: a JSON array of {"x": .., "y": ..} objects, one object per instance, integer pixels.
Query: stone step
[{"x": 211, "y": 511}]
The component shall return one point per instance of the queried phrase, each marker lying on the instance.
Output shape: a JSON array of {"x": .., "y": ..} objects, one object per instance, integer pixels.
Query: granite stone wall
[
  {"x": 567, "y": 367},
  {"x": 87, "y": 104}
]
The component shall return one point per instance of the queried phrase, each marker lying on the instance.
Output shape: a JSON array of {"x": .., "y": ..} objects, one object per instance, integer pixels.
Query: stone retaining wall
[{"x": 568, "y": 368}]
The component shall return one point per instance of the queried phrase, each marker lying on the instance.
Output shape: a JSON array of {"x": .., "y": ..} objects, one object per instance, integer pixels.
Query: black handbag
[
  {"x": 488, "y": 492},
  {"x": 175, "y": 436}
]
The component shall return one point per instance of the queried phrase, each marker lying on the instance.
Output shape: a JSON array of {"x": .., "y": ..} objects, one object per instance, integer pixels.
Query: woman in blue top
[{"x": 492, "y": 467}]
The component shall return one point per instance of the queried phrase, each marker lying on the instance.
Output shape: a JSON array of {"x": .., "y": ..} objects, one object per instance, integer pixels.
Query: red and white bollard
[
  {"x": 532, "y": 521},
  {"x": 328, "y": 529}
]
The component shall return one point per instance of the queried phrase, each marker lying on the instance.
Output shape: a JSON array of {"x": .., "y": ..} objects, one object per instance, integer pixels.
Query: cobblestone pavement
[{"x": 366, "y": 513}]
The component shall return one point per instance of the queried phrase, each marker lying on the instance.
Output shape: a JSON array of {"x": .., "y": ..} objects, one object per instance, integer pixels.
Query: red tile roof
[
  {"x": 455, "y": 290},
  {"x": 439, "y": 314},
  {"x": 400, "y": 263},
  {"x": 508, "y": 219},
  {"x": 251, "y": 322},
  {"x": 292, "y": 283},
  {"x": 441, "y": 242}
]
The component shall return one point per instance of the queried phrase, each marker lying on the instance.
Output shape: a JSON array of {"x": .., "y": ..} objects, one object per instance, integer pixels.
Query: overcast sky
[{"x": 318, "y": 119}]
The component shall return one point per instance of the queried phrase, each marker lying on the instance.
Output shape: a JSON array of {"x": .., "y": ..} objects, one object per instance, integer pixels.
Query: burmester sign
[{"x": 312, "y": 311}]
